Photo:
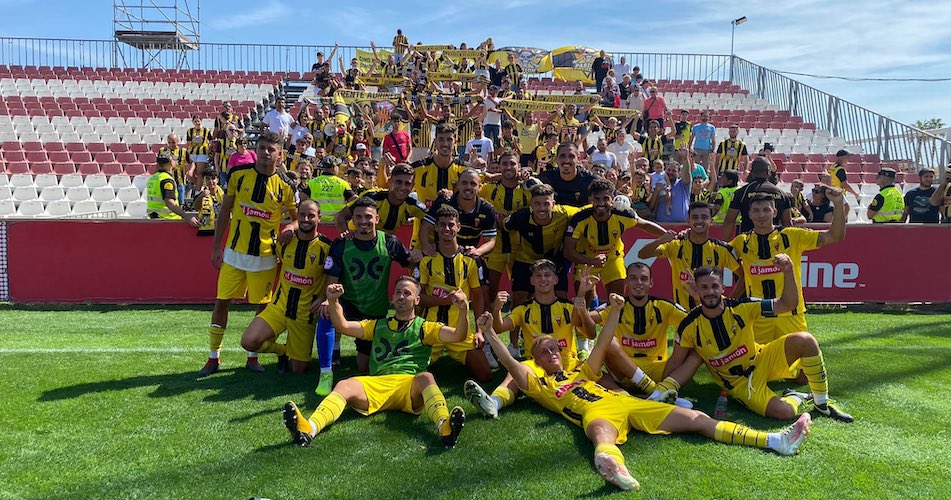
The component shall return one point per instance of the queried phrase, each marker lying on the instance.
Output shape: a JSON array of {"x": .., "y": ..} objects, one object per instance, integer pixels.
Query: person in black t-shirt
[
  {"x": 569, "y": 181},
  {"x": 820, "y": 206},
  {"x": 477, "y": 218},
  {"x": 740, "y": 205},
  {"x": 918, "y": 206},
  {"x": 599, "y": 70}
]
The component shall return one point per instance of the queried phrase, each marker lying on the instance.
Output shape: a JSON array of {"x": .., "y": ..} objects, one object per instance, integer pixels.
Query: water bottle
[{"x": 719, "y": 412}]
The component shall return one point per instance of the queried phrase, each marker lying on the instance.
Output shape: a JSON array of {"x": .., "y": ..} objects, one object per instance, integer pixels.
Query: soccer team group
[{"x": 480, "y": 226}]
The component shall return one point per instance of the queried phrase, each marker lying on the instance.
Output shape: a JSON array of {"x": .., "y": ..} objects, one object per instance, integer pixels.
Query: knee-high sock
[
  {"x": 815, "y": 369},
  {"x": 503, "y": 396},
  {"x": 215, "y": 336},
  {"x": 732, "y": 433},
  {"x": 272, "y": 346},
  {"x": 611, "y": 450},
  {"x": 668, "y": 384},
  {"x": 325, "y": 343},
  {"x": 434, "y": 404},
  {"x": 327, "y": 412}
]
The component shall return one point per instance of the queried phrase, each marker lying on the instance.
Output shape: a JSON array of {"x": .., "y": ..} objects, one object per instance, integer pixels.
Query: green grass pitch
[{"x": 103, "y": 403}]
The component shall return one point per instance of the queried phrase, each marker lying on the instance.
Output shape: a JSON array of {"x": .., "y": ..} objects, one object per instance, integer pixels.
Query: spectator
[
  {"x": 726, "y": 187},
  {"x": 495, "y": 73},
  {"x": 400, "y": 44},
  {"x": 732, "y": 154},
  {"x": 604, "y": 157},
  {"x": 635, "y": 100},
  {"x": 513, "y": 70},
  {"x": 702, "y": 137},
  {"x": 198, "y": 140},
  {"x": 837, "y": 172},
  {"x": 225, "y": 118},
  {"x": 682, "y": 131},
  {"x": 671, "y": 195},
  {"x": 479, "y": 146},
  {"x": 800, "y": 207},
  {"x": 623, "y": 150},
  {"x": 918, "y": 206},
  {"x": 599, "y": 69},
  {"x": 397, "y": 143},
  {"x": 305, "y": 171},
  {"x": 568, "y": 179},
  {"x": 278, "y": 120},
  {"x": 508, "y": 139},
  {"x": 624, "y": 90},
  {"x": 492, "y": 114},
  {"x": 242, "y": 155},
  {"x": 942, "y": 196},
  {"x": 820, "y": 207},
  {"x": 889, "y": 204},
  {"x": 622, "y": 68},
  {"x": 697, "y": 190},
  {"x": 740, "y": 206},
  {"x": 225, "y": 147},
  {"x": 180, "y": 164},
  {"x": 655, "y": 108}
]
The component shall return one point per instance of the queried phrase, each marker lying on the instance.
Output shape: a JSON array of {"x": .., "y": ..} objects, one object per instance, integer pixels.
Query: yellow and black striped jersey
[
  {"x": 539, "y": 241},
  {"x": 570, "y": 393},
  {"x": 553, "y": 319},
  {"x": 180, "y": 155},
  {"x": 763, "y": 278},
  {"x": 505, "y": 200},
  {"x": 602, "y": 237},
  {"x": 394, "y": 216},
  {"x": 685, "y": 256},
  {"x": 302, "y": 275},
  {"x": 730, "y": 151},
  {"x": 542, "y": 157},
  {"x": 197, "y": 140},
  {"x": 726, "y": 343},
  {"x": 226, "y": 148},
  {"x": 259, "y": 203},
  {"x": 440, "y": 276},
  {"x": 642, "y": 331},
  {"x": 652, "y": 148},
  {"x": 430, "y": 179},
  {"x": 223, "y": 120}
]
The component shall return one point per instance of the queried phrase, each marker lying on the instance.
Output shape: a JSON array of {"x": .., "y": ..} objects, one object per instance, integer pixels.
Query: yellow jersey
[
  {"x": 180, "y": 155},
  {"x": 763, "y": 278},
  {"x": 393, "y": 216},
  {"x": 642, "y": 331},
  {"x": 837, "y": 174},
  {"x": 439, "y": 276},
  {"x": 542, "y": 155},
  {"x": 259, "y": 203},
  {"x": 553, "y": 319},
  {"x": 685, "y": 256},
  {"x": 430, "y": 179},
  {"x": 730, "y": 151},
  {"x": 726, "y": 343},
  {"x": 570, "y": 393},
  {"x": 197, "y": 140},
  {"x": 527, "y": 137},
  {"x": 540, "y": 241},
  {"x": 505, "y": 200},
  {"x": 602, "y": 237},
  {"x": 302, "y": 275}
]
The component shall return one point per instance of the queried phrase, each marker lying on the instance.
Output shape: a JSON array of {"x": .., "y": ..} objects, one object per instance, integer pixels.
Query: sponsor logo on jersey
[
  {"x": 638, "y": 344},
  {"x": 255, "y": 213},
  {"x": 298, "y": 280},
  {"x": 729, "y": 358},
  {"x": 763, "y": 270},
  {"x": 568, "y": 387},
  {"x": 685, "y": 276},
  {"x": 441, "y": 293}
]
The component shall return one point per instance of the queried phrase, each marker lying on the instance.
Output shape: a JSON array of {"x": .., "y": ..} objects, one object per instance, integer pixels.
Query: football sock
[
  {"x": 273, "y": 347},
  {"x": 611, "y": 450},
  {"x": 643, "y": 382},
  {"x": 327, "y": 412},
  {"x": 215, "y": 335},
  {"x": 434, "y": 404},
  {"x": 792, "y": 401},
  {"x": 815, "y": 369},
  {"x": 326, "y": 337},
  {"x": 669, "y": 384},
  {"x": 503, "y": 396},
  {"x": 732, "y": 433}
]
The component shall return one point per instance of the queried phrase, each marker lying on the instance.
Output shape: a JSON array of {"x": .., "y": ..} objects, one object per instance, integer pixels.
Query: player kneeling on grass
[
  {"x": 721, "y": 332},
  {"x": 302, "y": 284},
  {"x": 606, "y": 416},
  {"x": 400, "y": 350}
]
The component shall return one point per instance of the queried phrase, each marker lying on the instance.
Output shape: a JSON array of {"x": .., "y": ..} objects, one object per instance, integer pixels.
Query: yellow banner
[
  {"x": 448, "y": 76},
  {"x": 522, "y": 105},
  {"x": 390, "y": 81},
  {"x": 572, "y": 75},
  {"x": 568, "y": 98},
  {"x": 430, "y": 48},
  {"x": 601, "y": 111},
  {"x": 365, "y": 59},
  {"x": 459, "y": 53},
  {"x": 349, "y": 96}
]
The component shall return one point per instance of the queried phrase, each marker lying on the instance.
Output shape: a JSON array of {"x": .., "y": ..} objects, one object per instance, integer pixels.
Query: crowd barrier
[{"x": 164, "y": 262}]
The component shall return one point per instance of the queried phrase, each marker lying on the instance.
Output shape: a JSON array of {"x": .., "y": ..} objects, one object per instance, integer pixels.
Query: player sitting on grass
[
  {"x": 721, "y": 332},
  {"x": 606, "y": 416},
  {"x": 400, "y": 350}
]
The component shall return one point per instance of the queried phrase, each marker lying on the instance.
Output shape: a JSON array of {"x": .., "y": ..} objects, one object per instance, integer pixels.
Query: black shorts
[
  {"x": 354, "y": 314},
  {"x": 521, "y": 276},
  {"x": 483, "y": 271}
]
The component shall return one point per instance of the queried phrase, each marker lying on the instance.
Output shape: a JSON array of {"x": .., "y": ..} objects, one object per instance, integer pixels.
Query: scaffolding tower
[{"x": 155, "y": 33}]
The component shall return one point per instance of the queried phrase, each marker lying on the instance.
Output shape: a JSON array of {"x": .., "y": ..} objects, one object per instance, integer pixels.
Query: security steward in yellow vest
[
  {"x": 329, "y": 190},
  {"x": 162, "y": 194},
  {"x": 889, "y": 204}
]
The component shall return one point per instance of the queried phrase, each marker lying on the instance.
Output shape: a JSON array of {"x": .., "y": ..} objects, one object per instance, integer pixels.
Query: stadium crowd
[{"x": 496, "y": 182}]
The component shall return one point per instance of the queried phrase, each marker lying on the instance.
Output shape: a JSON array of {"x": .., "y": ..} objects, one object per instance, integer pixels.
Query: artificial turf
[{"x": 103, "y": 403}]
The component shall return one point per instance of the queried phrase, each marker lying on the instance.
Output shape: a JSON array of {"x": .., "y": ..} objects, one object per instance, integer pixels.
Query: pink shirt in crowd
[{"x": 239, "y": 159}]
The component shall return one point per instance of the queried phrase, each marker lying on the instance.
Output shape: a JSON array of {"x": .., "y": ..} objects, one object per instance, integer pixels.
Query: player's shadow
[{"x": 227, "y": 385}]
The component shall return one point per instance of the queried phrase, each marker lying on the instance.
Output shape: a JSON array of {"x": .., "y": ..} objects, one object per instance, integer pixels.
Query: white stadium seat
[
  {"x": 113, "y": 206},
  {"x": 120, "y": 181},
  {"x": 128, "y": 194},
  {"x": 85, "y": 207},
  {"x": 31, "y": 208},
  {"x": 58, "y": 208},
  {"x": 136, "y": 209},
  {"x": 7, "y": 208},
  {"x": 71, "y": 180},
  {"x": 105, "y": 193},
  {"x": 22, "y": 194},
  {"x": 140, "y": 181},
  {"x": 45, "y": 180},
  {"x": 52, "y": 193},
  {"x": 95, "y": 181},
  {"x": 21, "y": 180}
]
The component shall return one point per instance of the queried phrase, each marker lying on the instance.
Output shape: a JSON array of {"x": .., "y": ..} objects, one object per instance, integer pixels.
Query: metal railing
[{"x": 874, "y": 133}]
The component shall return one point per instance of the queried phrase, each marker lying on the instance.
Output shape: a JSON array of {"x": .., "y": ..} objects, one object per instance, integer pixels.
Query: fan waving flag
[{"x": 570, "y": 63}]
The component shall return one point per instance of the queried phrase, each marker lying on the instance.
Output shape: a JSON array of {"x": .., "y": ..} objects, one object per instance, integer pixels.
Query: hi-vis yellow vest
[
  {"x": 894, "y": 205},
  {"x": 328, "y": 190},
  {"x": 156, "y": 203}
]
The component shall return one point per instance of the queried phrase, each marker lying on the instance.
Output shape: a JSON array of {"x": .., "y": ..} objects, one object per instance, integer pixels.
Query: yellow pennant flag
[
  {"x": 523, "y": 105},
  {"x": 602, "y": 111},
  {"x": 349, "y": 96},
  {"x": 568, "y": 98}
]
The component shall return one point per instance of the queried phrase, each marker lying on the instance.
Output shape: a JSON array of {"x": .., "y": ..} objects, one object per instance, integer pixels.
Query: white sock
[
  {"x": 326, "y": 370},
  {"x": 252, "y": 355},
  {"x": 213, "y": 354},
  {"x": 772, "y": 440},
  {"x": 820, "y": 399},
  {"x": 498, "y": 402},
  {"x": 638, "y": 376}
]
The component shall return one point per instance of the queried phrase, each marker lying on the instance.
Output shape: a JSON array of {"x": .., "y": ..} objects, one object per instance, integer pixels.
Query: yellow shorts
[
  {"x": 388, "y": 392},
  {"x": 654, "y": 369},
  {"x": 456, "y": 350},
  {"x": 300, "y": 333},
  {"x": 770, "y": 364},
  {"x": 613, "y": 270},
  {"x": 627, "y": 412},
  {"x": 569, "y": 363},
  {"x": 767, "y": 330},
  {"x": 499, "y": 262},
  {"x": 234, "y": 283}
]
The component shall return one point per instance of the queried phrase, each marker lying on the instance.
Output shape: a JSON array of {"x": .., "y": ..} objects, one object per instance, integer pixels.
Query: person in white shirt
[
  {"x": 622, "y": 68},
  {"x": 479, "y": 147},
  {"x": 604, "y": 157},
  {"x": 492, "y": 115},
  {"x": 622, "y": 150},
  {"x": 278, "y": 120}
]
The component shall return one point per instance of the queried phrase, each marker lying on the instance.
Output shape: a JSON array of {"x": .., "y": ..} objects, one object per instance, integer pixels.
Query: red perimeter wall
[{"x": 163, "y": 262}]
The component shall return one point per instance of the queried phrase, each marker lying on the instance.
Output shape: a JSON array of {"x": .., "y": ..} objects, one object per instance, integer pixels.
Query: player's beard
[
  {"x": 306, "y": 227},
  {"x": 711, "y": 302},
  {"x": 638, "y": 298}
]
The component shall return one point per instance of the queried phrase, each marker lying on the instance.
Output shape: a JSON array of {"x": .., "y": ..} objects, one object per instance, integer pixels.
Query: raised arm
[
  {"x": 790, "y": 297},
  {"x": 448, "y": 335},
  {"x": 596, "y": 358},
  {"x": 652, "y": 249},
  {"x": 520, "y": 373},
  {"x": 340, "y": 322},
  {"x": 580, "y": 318},
  {"x": 498, "y": 323},
  {"x": 836, "y": 232}
]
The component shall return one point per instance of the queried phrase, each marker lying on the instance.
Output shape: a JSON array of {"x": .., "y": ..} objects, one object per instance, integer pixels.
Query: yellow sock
[
  {"x": 328, "y": 412},
  {"x": 434, "y": 404},
  {"x": 792, "y": 401},
  {"x": 504, "y": 395},
  {"x": 643, "y": 382},
  {"x": 274, "y": 347},
  {"x": 669, "y": 384},
  {"x": 215, "y": 335},
  {"x": 732, "y": 433},
  {"x": 611, "y": 450},
  {"x": 815, "y": 369}
]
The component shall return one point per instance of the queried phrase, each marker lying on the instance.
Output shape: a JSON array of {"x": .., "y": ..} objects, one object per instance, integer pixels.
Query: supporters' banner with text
[
  {"x": 457, "y": 54},
  {"x": 381, "y": 81},
  {"x": 349, "y": 96},
  {"x": 528, "y": 57},
  {"x": 577, "y": 99},
  {"x": 431, "y": 48},
  {"x": 449, "y": 76},
  {"x": 602, "y": 111},
  {"x": 523, "y": 105},
  {"x": 570, "y": 63},
  {"x": 365, "y": 59}
]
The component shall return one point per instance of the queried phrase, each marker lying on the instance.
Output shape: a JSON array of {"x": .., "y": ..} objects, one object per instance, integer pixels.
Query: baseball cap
[
  {"x": 163, "y": 159},
  {"x": 310, "y": 152},
  {"x": 361, "y": 146},
  {"x": 328, "y": 162},
  {"x": 887, "y": 172},
  {"x": 840, "y": 153}
]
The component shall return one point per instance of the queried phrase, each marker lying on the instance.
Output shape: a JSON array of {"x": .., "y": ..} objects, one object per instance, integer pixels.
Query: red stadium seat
[
  {"x": 809, "y": 178},
  {"x": 788, "y": 177},
  {"x": 74, "y": 147},
  {"x": 104, "y": 157},
  {"x": 113, "y": 168},
  {"x": 134, "y": 169},
  {"x": 18, "y": 167},
  {"x": 32, "y": 146},
  {"x": 41, "y": 167},
  {"x": 10, "y": 155},
  {"x": 139, "y": 147},
  {"x": 64, "y": 168},
  {"x": 88, "y": 168},
  {"x": 80, "y": 157},
  {"x": 146, "y": 159},
  {"x": 58, "y": 156},
  {"x": 118, "y": 147},
  {"x": 853, "y": 177},
  {"x": 11, "y": 146},
  {"x": 96, "y": 147},
  {"x": 54, "y": 146},
  {"x": 125, "y": 158}
]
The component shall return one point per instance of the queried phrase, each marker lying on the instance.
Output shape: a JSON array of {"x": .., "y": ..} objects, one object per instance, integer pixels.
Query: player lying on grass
[
  {"x": 400, "y": 350},
  {"x": 606, "y": 416},
  {"x": 721, "y": 332}
]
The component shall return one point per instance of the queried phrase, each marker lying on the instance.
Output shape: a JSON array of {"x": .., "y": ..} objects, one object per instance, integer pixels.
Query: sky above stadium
[{"x": 867, "y": 39}]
